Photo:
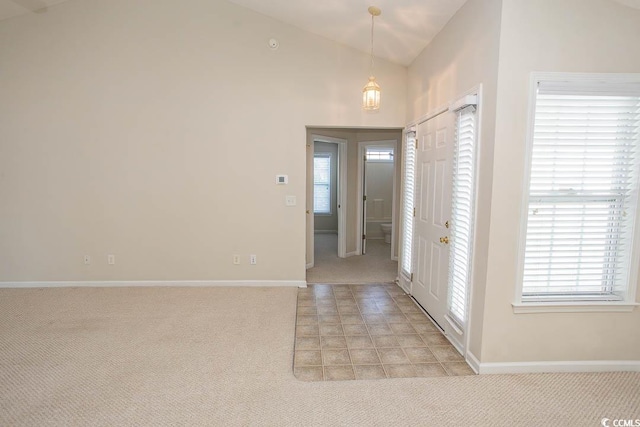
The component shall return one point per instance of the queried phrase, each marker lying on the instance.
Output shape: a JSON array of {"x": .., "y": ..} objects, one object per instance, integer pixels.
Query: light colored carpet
[
  {"x": 221, "y": 356},
  {"x": 375, "y": 266}
]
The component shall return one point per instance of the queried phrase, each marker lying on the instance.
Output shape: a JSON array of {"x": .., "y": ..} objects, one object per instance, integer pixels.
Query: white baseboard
[
  {"x": 553, "y": 367},
  {"x": 159, "y": 283},
  {"x": 348, "y": 254},
  {"x": 310, "y": 265},
  {"x": 473, "y": 361}
]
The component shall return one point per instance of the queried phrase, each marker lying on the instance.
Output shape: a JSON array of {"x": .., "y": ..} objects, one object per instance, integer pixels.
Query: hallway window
[
  {"x": 322, "y": 183},
  {"x": 583, "y": 189},
  {"x": 380, "y": 154}
]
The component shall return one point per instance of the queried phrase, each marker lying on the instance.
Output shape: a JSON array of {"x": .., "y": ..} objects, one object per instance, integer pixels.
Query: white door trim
[
  {"x": 476, "y": 90},
  {"x": 362, "y": 146},
  {"x": 309, "y": 219}
]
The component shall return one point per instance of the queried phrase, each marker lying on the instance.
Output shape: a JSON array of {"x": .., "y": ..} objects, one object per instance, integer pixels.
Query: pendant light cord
[{"x": 372, "y": 23}]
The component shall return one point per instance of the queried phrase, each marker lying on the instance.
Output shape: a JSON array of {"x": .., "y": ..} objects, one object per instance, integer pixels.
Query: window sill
[{"x": 573, "y": 307}]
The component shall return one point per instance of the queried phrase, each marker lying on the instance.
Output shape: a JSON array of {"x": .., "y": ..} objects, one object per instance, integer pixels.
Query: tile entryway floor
[{"x": 348, "y": 332}]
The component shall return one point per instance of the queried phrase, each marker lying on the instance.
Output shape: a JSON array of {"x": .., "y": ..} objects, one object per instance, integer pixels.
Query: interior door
[
  {"x": 309, "y": 208},
  {"x": 433, "y": 209},
  {"x": 364, "y": 204}
]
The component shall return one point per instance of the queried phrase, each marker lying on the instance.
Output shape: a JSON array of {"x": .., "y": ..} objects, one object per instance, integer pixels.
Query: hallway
[{"x": 374, "y": 267}]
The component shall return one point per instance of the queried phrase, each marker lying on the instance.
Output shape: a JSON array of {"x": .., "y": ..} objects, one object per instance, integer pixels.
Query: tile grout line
[
  {"x": 366, "y": 325},
  {"x": 353, "y": 369},
  {"x": 386, "y": 374}
]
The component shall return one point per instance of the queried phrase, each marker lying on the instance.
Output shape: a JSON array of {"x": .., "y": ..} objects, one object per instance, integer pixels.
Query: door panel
[
  {"x": 439, "y": 209},
  {"x": 434, "y": 160},
  {"x": 434, "y": 269},
  {"x": 425, "y": 202},
  {"x": 422, "y": 269},
  {"x": 309, "y": 208}
]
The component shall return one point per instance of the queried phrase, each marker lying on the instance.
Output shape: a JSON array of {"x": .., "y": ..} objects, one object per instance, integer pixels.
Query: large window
[
  {"x": 322, "y": 183},
  {"x": 583, "y": 189}
]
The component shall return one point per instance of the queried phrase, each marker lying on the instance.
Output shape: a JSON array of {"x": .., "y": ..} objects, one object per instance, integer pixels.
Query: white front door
[{"x": 433, "y": 209}]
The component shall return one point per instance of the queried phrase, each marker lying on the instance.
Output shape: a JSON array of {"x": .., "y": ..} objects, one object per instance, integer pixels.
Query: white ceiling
[{"x": 403, "y": 30}]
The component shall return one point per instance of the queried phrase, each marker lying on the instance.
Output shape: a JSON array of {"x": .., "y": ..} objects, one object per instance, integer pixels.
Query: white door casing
[
  {"x": 440, "y": 275},
  {"x": 310, "y": 256}
]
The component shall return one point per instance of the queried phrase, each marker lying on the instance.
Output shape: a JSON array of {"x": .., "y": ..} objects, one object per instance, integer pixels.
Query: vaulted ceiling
[{"x": 403, "y": 30}]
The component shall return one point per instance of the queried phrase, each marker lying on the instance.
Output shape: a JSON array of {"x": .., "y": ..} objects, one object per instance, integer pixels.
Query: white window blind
[
  {"x": 462, "y": 213},
  {"x": 582, "y": 191},
  {"x": 409, "y": 180},
  {"x": 322, "y": 183}
]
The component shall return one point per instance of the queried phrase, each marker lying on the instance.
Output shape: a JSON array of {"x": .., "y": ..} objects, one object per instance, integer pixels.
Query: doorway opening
[
  {"x": 335, "y": 184},
  {"x": 376, "y": 197},
  {"x": 326, "y": 195}
]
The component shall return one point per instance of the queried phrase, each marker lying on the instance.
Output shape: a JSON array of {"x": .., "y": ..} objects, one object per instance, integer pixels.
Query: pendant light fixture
[{"x": 371, "y": 91}]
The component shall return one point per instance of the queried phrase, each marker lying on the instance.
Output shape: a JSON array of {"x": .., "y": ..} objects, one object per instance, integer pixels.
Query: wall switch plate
[
  {"x": 111, "y": 259},
  {"x": 87, "y": 259},
  {"x": 236, "y": 260},
  {"x": 253, "y": 259},
  {"x": 290, "y": 201}
]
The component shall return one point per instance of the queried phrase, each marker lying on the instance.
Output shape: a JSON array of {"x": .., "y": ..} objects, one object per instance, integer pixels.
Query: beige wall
[
  {"x": 498, "y": 44},
  {"x": 462, "y": 56},
  {"x": 548, "y": 35},
  {"x": 153, "y": 130}
]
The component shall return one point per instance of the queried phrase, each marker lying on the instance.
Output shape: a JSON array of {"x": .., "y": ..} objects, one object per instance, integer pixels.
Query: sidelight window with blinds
[
  {"x": 408, "y": 194},
  {"x": 462, "y": 211},
  {"x": 583, "y": 189}
]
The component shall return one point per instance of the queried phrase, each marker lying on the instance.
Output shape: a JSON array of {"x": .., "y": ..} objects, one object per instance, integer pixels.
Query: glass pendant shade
[{"x": 371, "y": 95}]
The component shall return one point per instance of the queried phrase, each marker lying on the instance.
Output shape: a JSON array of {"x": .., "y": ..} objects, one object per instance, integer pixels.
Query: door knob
[
  {"x": 307, "y": 211},
  {"x": 444, "y": 240}
]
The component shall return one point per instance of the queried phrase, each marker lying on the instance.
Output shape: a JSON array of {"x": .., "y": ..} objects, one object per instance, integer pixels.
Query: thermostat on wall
[{"x": 282, "y": 179}]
